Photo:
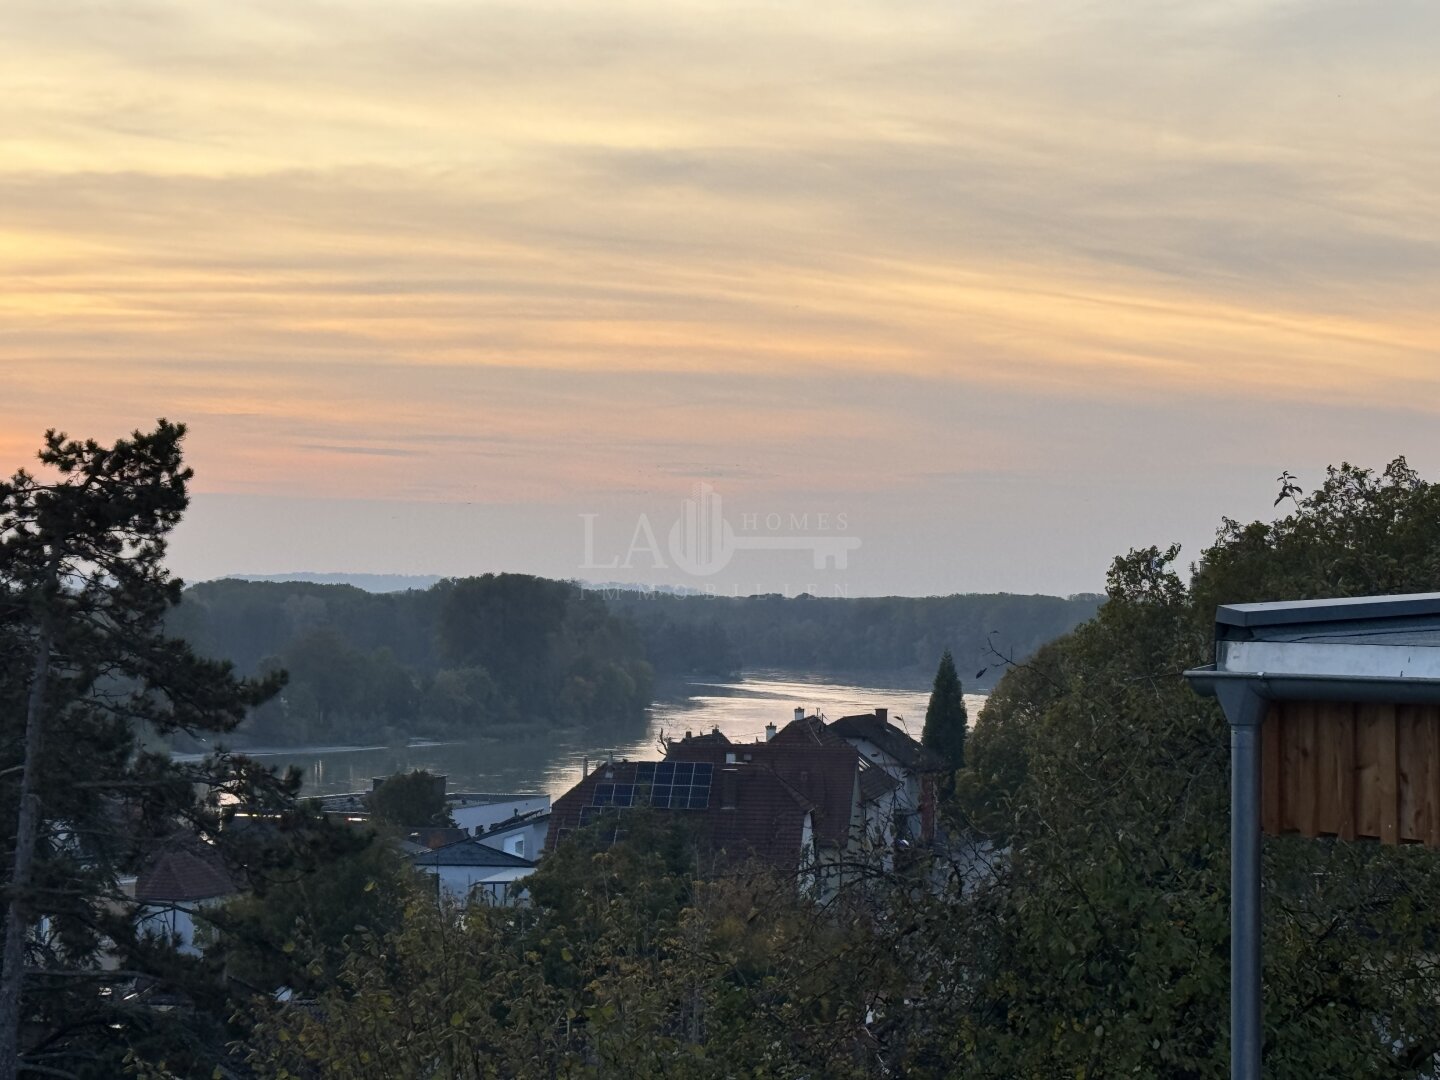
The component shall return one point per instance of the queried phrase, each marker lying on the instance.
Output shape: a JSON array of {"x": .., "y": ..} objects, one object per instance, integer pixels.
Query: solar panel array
[
  {"x": 614, "y": 795},
  {"x": 675, "y": 785},
  {"x": 668, "y": 785}
]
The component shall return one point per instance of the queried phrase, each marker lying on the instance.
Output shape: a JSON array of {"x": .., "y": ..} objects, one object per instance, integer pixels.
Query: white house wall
[
  {"x": 460, "y": 882},
  {"x": 532, "y": 833}
]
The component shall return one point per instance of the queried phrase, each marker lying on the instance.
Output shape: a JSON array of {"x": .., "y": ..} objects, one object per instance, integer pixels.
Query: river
[{"x": 551, "y": 762}]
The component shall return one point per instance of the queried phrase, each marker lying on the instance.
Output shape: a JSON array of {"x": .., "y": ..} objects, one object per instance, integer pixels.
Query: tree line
[
  {"x": 505, "y": 651},
  {"x": 716, "y": 635}
]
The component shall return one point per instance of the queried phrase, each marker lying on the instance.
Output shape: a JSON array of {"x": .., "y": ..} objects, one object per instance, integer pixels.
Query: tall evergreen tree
[
  {"x": 85, "y": 668},
  {"x": 945, "y": 719}
]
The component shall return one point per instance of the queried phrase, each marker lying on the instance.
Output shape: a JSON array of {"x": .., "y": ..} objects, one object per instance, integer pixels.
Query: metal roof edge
[
  {"x": 1278, "y": 686},
  {"x": 1283, "y": 612}
]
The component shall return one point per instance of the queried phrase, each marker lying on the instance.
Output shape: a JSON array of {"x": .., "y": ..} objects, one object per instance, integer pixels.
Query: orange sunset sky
[{"x": 1010, "y": 286}]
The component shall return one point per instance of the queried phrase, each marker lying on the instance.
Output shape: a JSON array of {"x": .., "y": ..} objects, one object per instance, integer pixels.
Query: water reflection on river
[{"x": 552, "y": 762}]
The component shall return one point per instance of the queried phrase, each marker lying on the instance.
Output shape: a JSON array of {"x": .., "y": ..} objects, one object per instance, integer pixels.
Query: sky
[{"x": 976, "y": 295}]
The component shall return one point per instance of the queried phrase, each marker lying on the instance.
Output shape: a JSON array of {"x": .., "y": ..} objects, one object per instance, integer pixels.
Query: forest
[
  {"x": 721, "y": 634},
  {"x": 488, "y": 653},
  {"x": 502, "y": 651}
]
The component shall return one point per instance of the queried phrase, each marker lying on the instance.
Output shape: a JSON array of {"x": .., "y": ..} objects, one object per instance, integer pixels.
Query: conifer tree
[
  {"x": 945, "y": 719},
  {"x": 85, "y": 669}
]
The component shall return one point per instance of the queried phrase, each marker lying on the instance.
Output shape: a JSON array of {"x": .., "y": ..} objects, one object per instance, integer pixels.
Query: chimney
[
  {"x": 769, "y": 732},
  {"x": 584, "y": 767},
  {"x": 799, "y": 712},
  {"x": 883, "y": 715}
]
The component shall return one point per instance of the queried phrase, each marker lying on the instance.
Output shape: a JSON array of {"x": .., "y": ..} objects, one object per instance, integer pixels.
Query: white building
[
  {"x": 470, "y": 871},
  {"x": 522, "y": 835},
  {"x": 478, "y": 812}
]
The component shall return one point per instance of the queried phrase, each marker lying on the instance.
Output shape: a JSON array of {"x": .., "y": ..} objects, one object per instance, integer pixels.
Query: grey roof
[
  {"x": 1283, "y": 612},
  {"x": 519, "y": 821},
  {"x": 486, "y": 798},
  {"x": 469, "y": 852}
]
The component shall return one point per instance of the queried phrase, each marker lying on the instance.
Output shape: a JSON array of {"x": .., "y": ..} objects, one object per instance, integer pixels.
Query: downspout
[{"x": 1245, "y": 706}]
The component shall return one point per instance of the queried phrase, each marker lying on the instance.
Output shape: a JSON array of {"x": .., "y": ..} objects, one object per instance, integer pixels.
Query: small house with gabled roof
[
  {"x": 469, "y": 871},
  {"x": 175, "y": 885}
]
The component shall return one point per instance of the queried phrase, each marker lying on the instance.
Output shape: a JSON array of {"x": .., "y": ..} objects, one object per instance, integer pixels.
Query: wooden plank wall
[{"x": 1352, "y": 770}]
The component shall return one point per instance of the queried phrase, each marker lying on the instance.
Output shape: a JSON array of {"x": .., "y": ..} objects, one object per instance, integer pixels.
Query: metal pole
[{"x": 1246, "y": 1004}]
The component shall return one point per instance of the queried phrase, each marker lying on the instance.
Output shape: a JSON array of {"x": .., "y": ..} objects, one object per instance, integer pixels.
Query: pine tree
[
  {"x": 85, "y": 669},
  {"x": 945, "y": 719}
]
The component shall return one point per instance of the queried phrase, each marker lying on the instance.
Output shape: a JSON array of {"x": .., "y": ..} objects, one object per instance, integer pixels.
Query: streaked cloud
[{"x": 514, "y": 252}]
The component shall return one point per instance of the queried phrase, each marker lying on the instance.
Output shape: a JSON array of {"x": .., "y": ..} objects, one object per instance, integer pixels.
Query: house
[
  {"x": 470, "y": 871},
  {"x": 741, "y": 813},
  {"x": 810, "y": 798},
  {"x": 522, "y": 834},
  {"x": 916, "y": 769},
  {"x": 177, "y": 883}
]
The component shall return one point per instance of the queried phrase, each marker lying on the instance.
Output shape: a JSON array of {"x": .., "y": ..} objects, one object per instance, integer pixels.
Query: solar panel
[
  {"x": 624, "y": 794},
  {"x": 703, "y": 768},
  {"x": 664, "y": 772},
  {"x": 684, "y": 770},
  {"x": 604, "y": 795},
  {"x": 660, "y": 795},
  {"x": 588, "y": 814},
  {"x": 645, "y": 772}
]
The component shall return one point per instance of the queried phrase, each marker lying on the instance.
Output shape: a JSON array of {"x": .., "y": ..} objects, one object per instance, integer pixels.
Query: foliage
[
  {"x": 411, "y": 798},
  {"x": 624, "y": 964},
  {"x": 1109, "y": 951},
  {"x": 295, "y": 929}
]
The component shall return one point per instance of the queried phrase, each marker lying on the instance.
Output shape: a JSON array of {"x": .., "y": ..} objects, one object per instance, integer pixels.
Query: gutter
[{"x": 1276, "y": 686}]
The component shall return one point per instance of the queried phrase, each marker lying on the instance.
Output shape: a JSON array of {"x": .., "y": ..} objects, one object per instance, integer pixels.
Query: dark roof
[
  {"x": 469, "y": 852},
  {"x": 437, "y": 836},
  {"x": 875, "y": 781},
  {"x": 823, "y": 774},
  {"x": 715, "y": 737},
  {"x": 803, "y": 768},
  {"x": 889, "y": 738},
  {"x": 807, "y": 731},
  {"x": 534, "y": 817},
  {"x": 184, "y": 871},
  {"x": 1283, "y": 612},
  {"x": 752, "y": 809}
]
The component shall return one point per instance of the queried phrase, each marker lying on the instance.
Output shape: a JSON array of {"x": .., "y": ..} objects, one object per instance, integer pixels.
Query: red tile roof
[
  {"x": 772, "y": 785},
  {"x": 184, "y": 872},
  {"x": 752, "y": 810}
]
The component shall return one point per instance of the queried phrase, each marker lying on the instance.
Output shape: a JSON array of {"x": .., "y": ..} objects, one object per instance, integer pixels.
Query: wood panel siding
[{"x": 1352, "y": 771}]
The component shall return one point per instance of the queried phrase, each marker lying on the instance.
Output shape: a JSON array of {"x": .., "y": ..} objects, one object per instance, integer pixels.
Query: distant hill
[{"x": 375, "y": 583}]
